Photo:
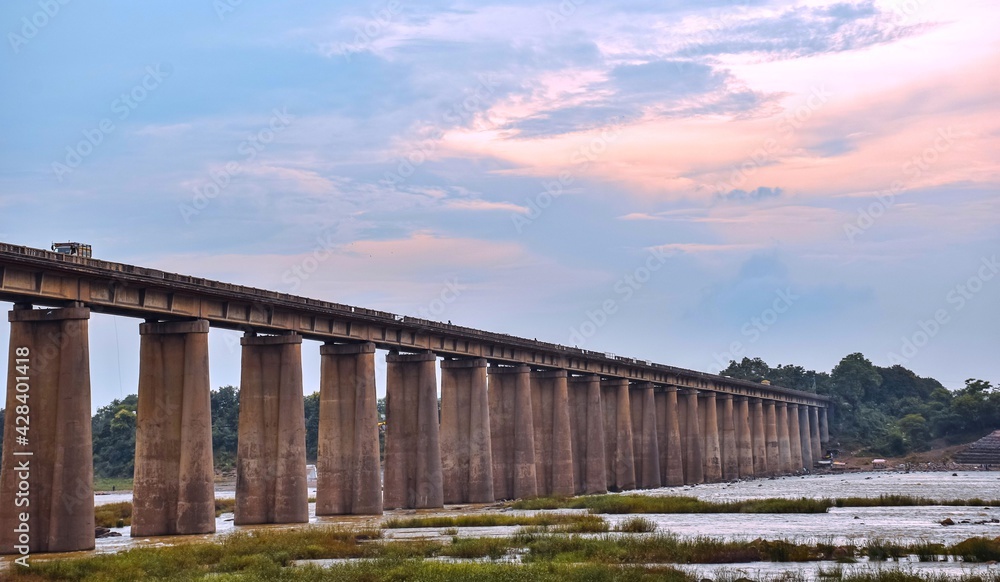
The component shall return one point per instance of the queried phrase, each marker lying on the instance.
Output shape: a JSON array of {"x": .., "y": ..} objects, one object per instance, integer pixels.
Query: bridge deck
[{"x": 55, "y": 280}]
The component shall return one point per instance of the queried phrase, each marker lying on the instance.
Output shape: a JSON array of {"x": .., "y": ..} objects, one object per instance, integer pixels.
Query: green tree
[
  {"x": 312, "y": 426},
  {"x": 915, "y": 429},
  {"x": 754, "y": 370},
  {"x": 113, "y": 433},
  {"x": 854, "y": 379},
  {"x": 225, "y": 426},
  {"x": 381, "y": 405}
]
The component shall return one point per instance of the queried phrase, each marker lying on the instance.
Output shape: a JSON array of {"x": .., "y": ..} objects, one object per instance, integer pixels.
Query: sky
[{"x": 687, "y": 182}]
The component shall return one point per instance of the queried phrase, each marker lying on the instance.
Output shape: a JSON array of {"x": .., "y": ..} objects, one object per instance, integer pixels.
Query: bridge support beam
[
  {"x": 645, "y": 441},
  {"x": 694, "y": 467},
  {"x": 348, "y": 470},
  {"x": 824, "y": 426},
  {"x": 814, "y": 436},
  {"x": 772, "y": 441},
  {"x": 512, "y": 434},
  {"x": 553, "y": 442},
  {"x": 618, "y": 434},
  {"x": 784, "y": 443},
  {"x": 271, "y": 456},
  {"x": 47, "y": 438},
  {"x": 466, "y": 454},
  {"x": 174, "y": 488},
  {"x": 669, "y": 435},
  {"x": 710, "y": 428},
  {"x": 795, "y": 438},
  {"x": 805, "y": 438},
  {"x": 413, "y": 477},
  {"x": 586, "y": 423},
  {"x": 730, "y": 458},
  {"x": 758, "y": 436},
  {"x": 744, "y": 441}
]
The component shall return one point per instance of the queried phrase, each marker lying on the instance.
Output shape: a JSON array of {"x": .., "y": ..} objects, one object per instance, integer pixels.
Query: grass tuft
[
  {"x": 636, "y": 525},
  {"x": 583, "y": 521}
]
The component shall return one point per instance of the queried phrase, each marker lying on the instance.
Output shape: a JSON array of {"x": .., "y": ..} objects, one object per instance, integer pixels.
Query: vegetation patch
[
  {"x": 224, "y": 506},
  {"x": 978, "y": 550},
  {"x": 269, "y": 555},
  {"x": 113, "y": 483},
  {"x": 636, "y": 525},
  {"x": 113, "y": 514},
  {"x": 637, "y": 503},
  {"x": 494, "y": 520}
]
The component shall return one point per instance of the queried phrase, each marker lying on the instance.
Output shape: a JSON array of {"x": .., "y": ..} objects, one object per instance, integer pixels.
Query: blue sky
[{"x": 684, "y": 182}]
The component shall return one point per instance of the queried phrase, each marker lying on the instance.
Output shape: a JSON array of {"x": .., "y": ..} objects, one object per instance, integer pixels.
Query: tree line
[{"x": 886, "y": 411}]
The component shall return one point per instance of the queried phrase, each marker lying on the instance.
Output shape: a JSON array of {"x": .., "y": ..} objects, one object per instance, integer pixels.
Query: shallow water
[
  {"x": 809, "y": 571},
  {"x": 934, "y": 485}
]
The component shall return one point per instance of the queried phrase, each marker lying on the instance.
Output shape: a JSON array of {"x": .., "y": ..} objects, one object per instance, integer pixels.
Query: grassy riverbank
[
  {"x": 267, "y": 555},
  {"x": 120, "y": 514},
  {"x": 564, "y": 522},
  {"x": 107, "y": 484}
]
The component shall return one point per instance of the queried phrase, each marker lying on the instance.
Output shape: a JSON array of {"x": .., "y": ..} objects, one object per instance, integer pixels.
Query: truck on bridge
[{"x": 72, "y": 248}]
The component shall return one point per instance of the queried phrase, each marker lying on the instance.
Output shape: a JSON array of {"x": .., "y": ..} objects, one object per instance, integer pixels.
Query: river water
[{"x": 838, "y": 526}]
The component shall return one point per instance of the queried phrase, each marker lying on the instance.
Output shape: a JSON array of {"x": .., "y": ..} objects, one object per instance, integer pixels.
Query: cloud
[
  {"x": 701, "y": 248},
  {"x": 484, "y": 205},
  {"x": 639, "y": 216},
  {"x": 801, "y": 31},
  {"x": 755, "y": 195}
]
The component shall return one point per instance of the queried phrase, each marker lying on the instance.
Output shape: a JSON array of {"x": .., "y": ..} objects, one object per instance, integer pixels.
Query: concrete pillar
[
  {"x": 814, "y": 434},
  {"x": 587, "y": 429},
  {"x": 174, "y": 487},
  {"x": 805, "y": 435},
  {"x": 669, "y": 435},
  {"x": 824, "y": 427},
  {"x": 348, "y": 469},
  {"x": 553, "y": 442},
  {"x": 618, "y": 451},
  {"x": 713, "y": 449},
  {"x": 466, "y": 455},
  {"x": 694, "y": 467},
  {"x": 744, "y": 440},
  {"x": 730, "y": 461},
  {"x": 771, "y": 439},
  {"x": 271, "y": 454},
  {"x": 784, "y": 444},
  {"x": 413, "y": 478},
  {"x": 795, "y": 438},
  {"x": 758, "y": 438},
  {"x": 645, "y": 441},
  {"x": 47, "y": 442},
  {"x": 512, "y": 434}
]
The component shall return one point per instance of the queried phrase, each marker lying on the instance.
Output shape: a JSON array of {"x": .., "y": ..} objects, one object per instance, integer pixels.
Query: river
[{"x": 838, "y": 526}]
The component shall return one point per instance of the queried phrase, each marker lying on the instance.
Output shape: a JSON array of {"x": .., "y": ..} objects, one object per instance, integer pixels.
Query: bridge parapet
[{"x": 53, "y": 279}]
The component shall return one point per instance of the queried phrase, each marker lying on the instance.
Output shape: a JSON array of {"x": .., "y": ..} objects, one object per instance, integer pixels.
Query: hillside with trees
[{"x": 885, "y": 411}]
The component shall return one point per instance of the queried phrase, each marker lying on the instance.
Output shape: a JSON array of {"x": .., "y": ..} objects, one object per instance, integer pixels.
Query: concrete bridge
[{"x": 519, "y": 418}]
